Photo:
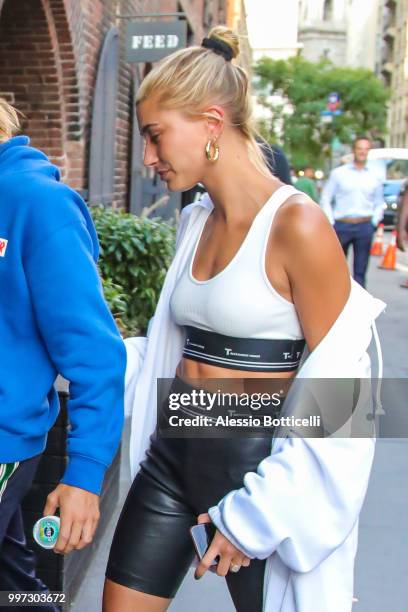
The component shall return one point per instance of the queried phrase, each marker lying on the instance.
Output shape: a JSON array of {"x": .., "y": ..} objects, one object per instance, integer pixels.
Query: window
[{"x": 328, "y": 10}]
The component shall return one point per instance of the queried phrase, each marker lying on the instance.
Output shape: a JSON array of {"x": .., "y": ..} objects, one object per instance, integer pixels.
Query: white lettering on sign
[
  {"x": 148, "y": 42},
  {"x": 159, "y": 41},
  {"x": 136, "y": 41},
  {"x": 172, "y": 41}
]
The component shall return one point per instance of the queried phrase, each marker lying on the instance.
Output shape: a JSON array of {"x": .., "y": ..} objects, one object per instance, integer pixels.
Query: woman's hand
[
  {"x": 230, "y": 556},
  {"x": 402, "y": 238}
]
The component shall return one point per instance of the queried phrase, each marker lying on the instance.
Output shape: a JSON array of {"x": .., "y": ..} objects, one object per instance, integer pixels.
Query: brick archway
[{"x": 38, "y": 76}]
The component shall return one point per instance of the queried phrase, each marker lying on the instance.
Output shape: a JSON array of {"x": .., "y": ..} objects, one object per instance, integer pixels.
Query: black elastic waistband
[{"x": 249, "y": 354}]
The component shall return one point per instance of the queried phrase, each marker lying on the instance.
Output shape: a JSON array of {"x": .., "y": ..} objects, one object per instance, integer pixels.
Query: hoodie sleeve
[
  {"x": 302, "y": 502},
  {"x": 305, "y": 498},
  {"x": 82, "y": 340}
]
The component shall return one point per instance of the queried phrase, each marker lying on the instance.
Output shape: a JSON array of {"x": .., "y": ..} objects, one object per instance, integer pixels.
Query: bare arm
[
  {"x": 315, "y": 265},
  {"x": 402, "y": 222}
]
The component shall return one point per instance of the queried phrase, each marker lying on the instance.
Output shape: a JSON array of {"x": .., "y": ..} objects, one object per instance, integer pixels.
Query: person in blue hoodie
[{"x": 53, "y": 320}]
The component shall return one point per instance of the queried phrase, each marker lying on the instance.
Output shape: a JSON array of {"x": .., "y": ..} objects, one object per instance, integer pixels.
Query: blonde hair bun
[{"x": 228, "y": 37}]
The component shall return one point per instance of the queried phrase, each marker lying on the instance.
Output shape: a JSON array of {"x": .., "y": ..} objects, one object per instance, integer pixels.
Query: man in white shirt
[{"x": 353, "y": 201}]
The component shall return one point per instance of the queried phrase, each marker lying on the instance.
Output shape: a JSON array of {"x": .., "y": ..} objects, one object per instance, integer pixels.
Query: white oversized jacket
[{"x": 300, "y": 509}]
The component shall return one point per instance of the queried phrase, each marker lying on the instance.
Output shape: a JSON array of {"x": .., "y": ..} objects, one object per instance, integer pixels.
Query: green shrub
[
  {"x": 135, "y": 255},
  {"x": 116, "y": 298}
]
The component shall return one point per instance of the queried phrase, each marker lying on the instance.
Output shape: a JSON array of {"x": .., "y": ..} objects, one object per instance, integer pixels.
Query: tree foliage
[{"x": 304, "y": 87}]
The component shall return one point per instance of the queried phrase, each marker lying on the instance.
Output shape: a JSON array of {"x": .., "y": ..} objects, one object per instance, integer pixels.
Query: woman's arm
[
  {"x": 305, "y": 498},
  {"x": 315, "y": 266},
  {"x": 402, "y": 220}
]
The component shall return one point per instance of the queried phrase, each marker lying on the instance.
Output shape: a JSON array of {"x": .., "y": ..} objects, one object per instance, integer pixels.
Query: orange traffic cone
[
  {"x": 390, "y": 258},
  {"x": 377, "y": 247}
]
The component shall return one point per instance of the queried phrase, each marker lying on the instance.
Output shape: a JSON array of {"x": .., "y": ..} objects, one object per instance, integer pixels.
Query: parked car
[{"x": 392, "y": 191}]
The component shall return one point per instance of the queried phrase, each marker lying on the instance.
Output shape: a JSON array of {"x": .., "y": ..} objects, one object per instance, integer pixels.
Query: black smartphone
[{"x": 202, "y": 536}]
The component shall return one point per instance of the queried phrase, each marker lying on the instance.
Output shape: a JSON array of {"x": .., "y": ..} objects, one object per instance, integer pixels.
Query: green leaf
[{"x": 134, "y": 257}]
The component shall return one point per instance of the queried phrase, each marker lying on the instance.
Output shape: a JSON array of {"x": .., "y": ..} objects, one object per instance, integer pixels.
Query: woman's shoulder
[
  {"x": 300, "y": 217},
  {"x": 308, "y": 243}
]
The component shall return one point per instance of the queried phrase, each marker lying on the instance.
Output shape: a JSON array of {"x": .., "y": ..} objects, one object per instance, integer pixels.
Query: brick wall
[
  {"x": 49, "y": 53},
  {"x": 29, "y": 73}
]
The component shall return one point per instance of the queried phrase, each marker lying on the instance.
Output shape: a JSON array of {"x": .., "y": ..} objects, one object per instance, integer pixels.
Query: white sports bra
[{"x": 239, "y": 301}]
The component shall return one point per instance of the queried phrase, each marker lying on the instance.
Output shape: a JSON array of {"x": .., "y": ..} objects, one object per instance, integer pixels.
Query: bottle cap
[{"x": 46, "y": 531}]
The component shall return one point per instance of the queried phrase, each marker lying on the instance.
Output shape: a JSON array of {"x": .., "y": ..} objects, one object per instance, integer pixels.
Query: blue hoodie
[{"x": 53, "y": 319}]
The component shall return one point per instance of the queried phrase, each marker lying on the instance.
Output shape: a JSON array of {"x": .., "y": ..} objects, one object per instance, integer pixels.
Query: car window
[
  {"x": 391, "y": 189},
  {"x": 397, "y": 169}
]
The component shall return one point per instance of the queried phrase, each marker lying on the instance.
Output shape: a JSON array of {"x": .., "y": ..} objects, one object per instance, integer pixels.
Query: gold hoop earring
[{"x": 212, "y": 157}]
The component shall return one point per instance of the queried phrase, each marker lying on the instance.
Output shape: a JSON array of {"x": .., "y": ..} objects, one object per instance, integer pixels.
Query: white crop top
[{"x": 239, "y": 301}]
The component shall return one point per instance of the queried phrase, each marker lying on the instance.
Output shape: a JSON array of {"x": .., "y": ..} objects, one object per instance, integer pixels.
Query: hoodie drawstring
[{"x": 378, "y": 408}]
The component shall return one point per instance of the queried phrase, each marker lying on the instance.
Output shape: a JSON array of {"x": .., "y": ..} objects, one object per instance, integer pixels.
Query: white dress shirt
[{"x": 353, "y": 192}]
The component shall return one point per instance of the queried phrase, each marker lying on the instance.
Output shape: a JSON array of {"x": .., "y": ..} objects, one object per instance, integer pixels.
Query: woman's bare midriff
[{"x": 207, "y": 377}]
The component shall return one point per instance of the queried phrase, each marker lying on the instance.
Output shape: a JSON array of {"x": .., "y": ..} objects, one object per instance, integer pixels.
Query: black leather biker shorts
[{"x": 179, "y": 479}]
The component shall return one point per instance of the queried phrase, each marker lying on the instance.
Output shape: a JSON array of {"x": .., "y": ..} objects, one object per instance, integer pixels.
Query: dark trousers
[
  {"x": 360, "y": 235},
  {"x": 17, "y": 561}
]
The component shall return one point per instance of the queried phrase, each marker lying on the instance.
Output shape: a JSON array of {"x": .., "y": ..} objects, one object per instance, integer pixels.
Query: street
[{"x": 382, "y": 562}]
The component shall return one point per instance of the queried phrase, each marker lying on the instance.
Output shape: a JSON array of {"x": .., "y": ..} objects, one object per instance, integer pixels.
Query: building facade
[
  {"x": 56, "y": 55},
  {"x": 392, "y": 66},
  {"x": 323, "y": 30},
  {"x": 272, "y": 34},
  {"x": 237, "y": 21},
  {"x": 343, "y": 31},
  {"x": 362, "y": 32}
]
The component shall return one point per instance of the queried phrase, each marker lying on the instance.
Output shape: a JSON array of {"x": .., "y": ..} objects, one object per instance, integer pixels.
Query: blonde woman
[
  {"x": 258, "y": 268},
  {"x": 53, "y": 320}
]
